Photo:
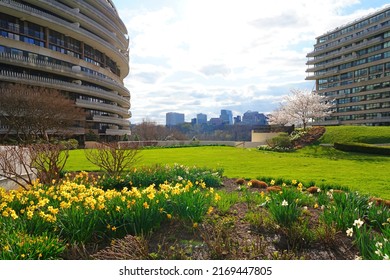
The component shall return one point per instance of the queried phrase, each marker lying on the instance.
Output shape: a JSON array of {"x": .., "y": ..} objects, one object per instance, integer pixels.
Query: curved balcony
[
  {"x": 111, "y": 120},
  {"x": 66, "y": 86},
  {"x": 65, "y": 27},
  {"x": 98, "y": 16},
  {"x": 69, "y": 72},
  {"x": 108, "y": 10},
  {"x": 117, "y": 39},
  {"x": 123, "y": 112}
]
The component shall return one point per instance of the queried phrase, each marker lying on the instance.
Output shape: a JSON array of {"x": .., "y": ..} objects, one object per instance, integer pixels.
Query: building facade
[
  {"x": 254, "y": 118},
  {"x": 226, "y": 116},
  {"x": 173, "y": 118},
  {"x": 201, "y": 119},
  {"x": 351, "y": 66},
  {"x": 78, "y": 47}
]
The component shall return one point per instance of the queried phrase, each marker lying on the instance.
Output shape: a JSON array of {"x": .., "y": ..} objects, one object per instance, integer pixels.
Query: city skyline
[{"x": 198, "y": 56}]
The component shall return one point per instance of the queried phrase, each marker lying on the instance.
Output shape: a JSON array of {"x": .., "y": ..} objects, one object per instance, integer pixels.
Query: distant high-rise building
[
  {"x": 351, "y": 66},
  {"x": 254, "y": 118},
  {"x": 216, "y": 121},
  {"x": 237, "y": 120},
  {"x": 173, "y": 118},
  {"x": 227, "y": 116},
  {"x": 201, "y": 118}
]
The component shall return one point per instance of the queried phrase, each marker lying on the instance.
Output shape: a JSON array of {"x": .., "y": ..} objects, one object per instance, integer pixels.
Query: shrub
[
  {"x": 112, "y": 158},
  {"x": 282, "y": 142}
]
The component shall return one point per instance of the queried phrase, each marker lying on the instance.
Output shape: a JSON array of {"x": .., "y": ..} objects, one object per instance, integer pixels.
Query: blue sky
[{"x": 201, "y": 56}]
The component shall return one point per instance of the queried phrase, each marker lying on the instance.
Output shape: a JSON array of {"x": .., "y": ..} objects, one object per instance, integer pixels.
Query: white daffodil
[
  {"x": 358, "y": 223},
  {"x": 349, "y": 232},
  {"x": 284, "y": 203}
]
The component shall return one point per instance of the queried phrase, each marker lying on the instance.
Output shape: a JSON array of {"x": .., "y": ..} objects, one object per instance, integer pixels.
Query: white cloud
[{"x": 201, "y": 55}]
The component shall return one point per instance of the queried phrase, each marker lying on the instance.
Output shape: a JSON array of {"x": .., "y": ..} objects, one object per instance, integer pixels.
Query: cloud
[
  {"x": 216, "y": 69},
  {"x": 197, "y": 56}
]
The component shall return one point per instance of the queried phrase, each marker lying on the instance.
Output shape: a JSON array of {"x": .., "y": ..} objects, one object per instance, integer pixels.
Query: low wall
[
  {"x": 170, "y": 143},
  {"x": 9, "y": 184},
  {"x": 262, "y": 137}
]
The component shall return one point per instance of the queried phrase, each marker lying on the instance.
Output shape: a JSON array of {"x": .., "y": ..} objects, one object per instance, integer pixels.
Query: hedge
[{"x": 362, "y": 148}]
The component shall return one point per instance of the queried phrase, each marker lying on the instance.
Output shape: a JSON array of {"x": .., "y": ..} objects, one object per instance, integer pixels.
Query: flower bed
[{"x": 48, "y": 221}]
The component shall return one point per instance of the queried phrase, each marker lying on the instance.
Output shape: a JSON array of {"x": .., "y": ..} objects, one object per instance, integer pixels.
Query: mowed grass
[
  {"x": 369, "y": 174},
  {"x": 362, "y": 134}
]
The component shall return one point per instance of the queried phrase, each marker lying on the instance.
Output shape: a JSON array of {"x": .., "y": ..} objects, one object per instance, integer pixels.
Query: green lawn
[
  {"x": 362, "y": 134},
  {"x": 323, "y": 165}
]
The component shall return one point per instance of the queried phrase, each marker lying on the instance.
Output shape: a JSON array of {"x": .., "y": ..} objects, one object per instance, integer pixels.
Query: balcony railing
[
  {"x": 62, "y": 85},
  {"x": 71, "y": 12},
  {"x": 103, "y": 106},
  {"x": 122, "y": 54},
  {"x": 345, "y": 41},
  {"x": 16, "y": 59}
]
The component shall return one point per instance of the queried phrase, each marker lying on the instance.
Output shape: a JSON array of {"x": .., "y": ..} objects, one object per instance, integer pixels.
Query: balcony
[
  {"x": 344, "y": 41},
  {"x": 67, "y": 27},
  {"x": 70, "y": 72},
  {"x": 16, "y": 77},
  {"x": 54, "y": 6},
  {"x": 111, "y": 120},
  {"x": 123, "y": 112}
]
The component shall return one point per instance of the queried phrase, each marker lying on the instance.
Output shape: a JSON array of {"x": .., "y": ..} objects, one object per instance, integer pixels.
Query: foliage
[
  {"x": 159, "y": 174},
  {"x": 112, "y": 158},
  {"x": 33, "y": 112},
  {"x": 282, "y": 142},
  {"x": 345, "y": 208},
  {"x": 78, "y": 211},
  {"x": 300, "y": 107}
]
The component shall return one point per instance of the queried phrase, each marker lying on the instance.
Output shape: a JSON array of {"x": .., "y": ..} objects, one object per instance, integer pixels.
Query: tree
[
  {"x": 300, "y": 107},
  {"x": 34, "y": 112}
]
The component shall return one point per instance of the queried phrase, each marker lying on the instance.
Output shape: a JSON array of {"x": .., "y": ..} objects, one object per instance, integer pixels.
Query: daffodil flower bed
[{"x": 80, "y": 211}]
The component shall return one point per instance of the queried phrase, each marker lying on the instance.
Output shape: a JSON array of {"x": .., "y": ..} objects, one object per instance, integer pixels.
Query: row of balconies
[
  {"x": 103, "y": 106},
  {"x": 73, "y": 72},
  {"x": 66, "y": 27},
  {"x": 317, "y": 76},
  {"x": 67, "y": 86},
  {"x": 92, "y": 12},
  {"x": 115, "y": 38},
  {"x": 321, "y": 49},
  {"x": 344, "y": 51}
]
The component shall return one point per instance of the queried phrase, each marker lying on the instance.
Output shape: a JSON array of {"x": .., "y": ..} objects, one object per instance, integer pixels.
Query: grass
[
  {"x": 360, "y": 134},
  {"x": 367, "y": 174}
]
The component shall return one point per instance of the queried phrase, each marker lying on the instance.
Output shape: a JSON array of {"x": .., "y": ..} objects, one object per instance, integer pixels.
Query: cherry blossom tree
[{"x": 300, "y": 107}]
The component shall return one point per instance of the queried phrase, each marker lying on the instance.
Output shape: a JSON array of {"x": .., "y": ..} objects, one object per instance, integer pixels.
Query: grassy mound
[{"x": 359, "y": 134}]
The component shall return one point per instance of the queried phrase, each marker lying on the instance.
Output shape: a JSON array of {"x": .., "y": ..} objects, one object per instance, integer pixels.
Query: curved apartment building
[
  {"x": 351, "y": 66},
  {"x": 79, "y": 47}
]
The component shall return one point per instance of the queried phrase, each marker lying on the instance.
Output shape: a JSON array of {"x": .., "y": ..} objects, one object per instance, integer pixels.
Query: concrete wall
[
  {"x": 263, "y": 137},
  {"x": 9, "y": 184}
]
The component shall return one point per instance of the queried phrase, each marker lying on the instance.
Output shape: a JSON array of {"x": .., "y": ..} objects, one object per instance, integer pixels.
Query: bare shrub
[
  {"x": 112, "y": 158},
  {"x": 49, "y": 160},
  {"x": 23, "y": 164},
  {"x": 128, "y": 248},
  {"x": 15, "y": 165}
]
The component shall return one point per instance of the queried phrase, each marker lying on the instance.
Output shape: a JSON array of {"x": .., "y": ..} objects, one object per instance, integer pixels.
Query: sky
[{"x": 201, "y": 56}]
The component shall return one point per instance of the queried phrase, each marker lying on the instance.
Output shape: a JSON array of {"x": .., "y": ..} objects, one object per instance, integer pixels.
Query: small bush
[{"x": 282, "y": 142}]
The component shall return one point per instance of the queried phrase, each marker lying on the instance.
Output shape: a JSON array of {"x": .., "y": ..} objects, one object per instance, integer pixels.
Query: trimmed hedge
[{"x": 362, "y": 148}]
